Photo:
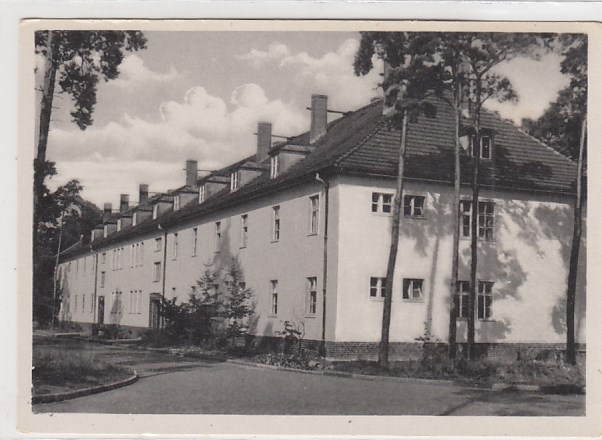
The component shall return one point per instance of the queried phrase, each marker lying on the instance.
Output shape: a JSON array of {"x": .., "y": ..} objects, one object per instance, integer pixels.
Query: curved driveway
[{"x": 171, "y": 385}]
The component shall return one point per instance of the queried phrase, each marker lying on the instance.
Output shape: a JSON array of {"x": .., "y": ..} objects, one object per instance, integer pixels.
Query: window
[
  {"x": 157, "y": 272},
  {"x": 195, "y": 234},
  {"x": 244, "y": 230},
  {"x": 381, "y": 202},
  {"x": 142, "y": 254},
  {"x": 158, "y": 244},
  {"x": 176, "y": 203},
  {"x": 485, "y": 298},
  {"x": 103, "y": 258},
  {"x": 234, "y": 180},
  {"x": 377, "y": 287},
  {"x": 105, "y": 231},
  {"x": 312, "y": 295},
  {"x": 462, "y": 298},
  {"x": 202, "y": 193},
  {"x": 413, "y": 206},
  {"x": 276, "y": 223},
  {"x": 75, "y": 305},
  {"x": 314, "y": 214},
  {"x": 274, "y": 167},
  {"x": 218, "y": 235},
  {"x": 485, "y": 217},
  {"x": 175, "y": 246},
  {"x": 118, "y": 225},
  {"x": 102, "y": 278},
  {"x": 84, "y": 302},
  {"x": 135, "y": 219},
  {"x": 274, "y": 297},
  {"x": 486, "y": 147},
  {"x": 412, "y": 289},
  {"x": 133, "y": 255},
  {"x": 155, "y": 212}
]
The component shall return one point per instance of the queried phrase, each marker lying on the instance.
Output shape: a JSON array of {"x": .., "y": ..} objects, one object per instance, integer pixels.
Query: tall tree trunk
[
  {"x": 571, "y": 356},
  {"x": 453, "y": 313},
  {"x": 383, "y": 354},
  {"x": 44, "y": 123},
  {"x": 474, "y": 235}
]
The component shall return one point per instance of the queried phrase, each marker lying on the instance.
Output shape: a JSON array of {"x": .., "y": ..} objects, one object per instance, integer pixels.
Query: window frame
[
  {"x": 276, "y": 224},
  {"x": 158, "y": 244},
  {"x": 274, "y": 166},
  {"x": 234, "y": 180},
  {"x": 195, "y": 241},
  {"x": 134, "y": 219},
  {"x": 157, "y": 272},
  {"x": 312, "y": 297},
  {"x": 407, "y": 282},
  {"x": 462, "y": 299},
  {"x": 466, "y": 221},
  {"x": 484, "y": 293},
  {"x": 273, "y": 298},
  {"x": 155, "y": 211},
  {"x": 202, "y": 193},
  {"x": 379, "y": 204},
  {"x": 176, "y": 202},
  {"x": 379, "y": 286},
  {"x": 314, "y": 214},
  {"x": 411, "y": 198},
  {"x": 174, "y": 249}
]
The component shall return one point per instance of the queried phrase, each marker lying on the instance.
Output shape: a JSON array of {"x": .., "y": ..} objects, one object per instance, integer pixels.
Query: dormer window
[
  {"x": 118, "y": 225},
  {"x": 92, "y": 236},
  {"x": 274, "y": 167},
  {"x": 105, "y": 231},
  {"x": 155, "y": 212},
  {"x": 202, "y": 193},
  {"x": 486, "y": 147},
  {"x": 234, "y": 180},
  {"x": 176, "y": 203},
  {"x": 134, "y": 219}
]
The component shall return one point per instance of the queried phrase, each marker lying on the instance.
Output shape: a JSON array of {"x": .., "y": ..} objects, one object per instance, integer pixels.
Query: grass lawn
[{"x": 61, "y": 365}]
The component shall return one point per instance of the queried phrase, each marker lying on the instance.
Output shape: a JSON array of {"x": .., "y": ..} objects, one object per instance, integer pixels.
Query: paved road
[{"x": 170, "y": 385}]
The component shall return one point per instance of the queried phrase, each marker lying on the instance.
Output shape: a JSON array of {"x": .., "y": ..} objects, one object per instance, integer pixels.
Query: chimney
[
  {"x": 124, "y": 203},
  {"x": 143, "y": 194},
  {"x": 191, "y": 172},
  {"x": 106, "y": 214},
  {"x": 319, "y": 115},
  {"x": 264, "y": 141}
]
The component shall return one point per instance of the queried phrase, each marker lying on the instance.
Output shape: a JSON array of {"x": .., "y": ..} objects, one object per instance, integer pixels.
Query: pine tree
[{"x": 236, "y": 306}]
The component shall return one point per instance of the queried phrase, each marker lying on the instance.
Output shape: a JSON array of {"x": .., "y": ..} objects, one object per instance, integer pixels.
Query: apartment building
[{"x": 308, "y": 223}]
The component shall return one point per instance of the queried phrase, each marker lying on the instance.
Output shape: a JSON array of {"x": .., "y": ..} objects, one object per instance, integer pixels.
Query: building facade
[{"x": 308, "y": 223}]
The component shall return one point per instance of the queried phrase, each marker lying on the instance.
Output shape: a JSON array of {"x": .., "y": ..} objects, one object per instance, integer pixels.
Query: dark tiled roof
[{"x": 362, "y": 143}]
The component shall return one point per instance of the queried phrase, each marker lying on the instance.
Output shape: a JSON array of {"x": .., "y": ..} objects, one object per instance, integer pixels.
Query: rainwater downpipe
[{"x": 322, "y": 349}]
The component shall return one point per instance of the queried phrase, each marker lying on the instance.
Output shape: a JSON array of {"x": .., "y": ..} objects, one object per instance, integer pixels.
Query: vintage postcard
[{"x": 308, "y": 227}]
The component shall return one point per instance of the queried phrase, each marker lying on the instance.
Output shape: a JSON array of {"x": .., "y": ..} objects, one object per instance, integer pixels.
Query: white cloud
[
  {"x": 258, "y": 58},
  {"x": 331, "y": 74},
  {"x": 527, "y": 76},
  {"x": 133, "y": 73},
  {"x": 201, "y": 127}
]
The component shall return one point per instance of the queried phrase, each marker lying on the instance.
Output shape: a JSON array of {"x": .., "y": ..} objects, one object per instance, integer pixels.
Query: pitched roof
[{"x": 361, "y": 142}]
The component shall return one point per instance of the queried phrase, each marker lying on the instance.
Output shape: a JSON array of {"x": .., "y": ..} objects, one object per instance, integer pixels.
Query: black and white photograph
[{"x": 348, "y": 221}]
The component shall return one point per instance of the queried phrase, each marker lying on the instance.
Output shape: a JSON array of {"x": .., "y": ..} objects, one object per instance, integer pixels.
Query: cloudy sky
[{"x": 199, "y": 95}]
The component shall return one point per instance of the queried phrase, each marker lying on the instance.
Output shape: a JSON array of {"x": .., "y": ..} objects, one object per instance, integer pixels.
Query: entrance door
[
  {"x": 101, "y": 309},
  {"x": 155, "y": 305}
]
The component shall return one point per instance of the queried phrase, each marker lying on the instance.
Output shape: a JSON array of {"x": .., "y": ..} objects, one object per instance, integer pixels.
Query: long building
[{"x": 308, "y": 221}]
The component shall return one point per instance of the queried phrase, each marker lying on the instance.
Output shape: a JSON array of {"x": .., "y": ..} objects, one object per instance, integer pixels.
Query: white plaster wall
[{"x": 528, "y": 261}]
